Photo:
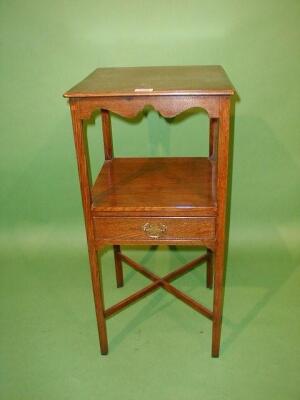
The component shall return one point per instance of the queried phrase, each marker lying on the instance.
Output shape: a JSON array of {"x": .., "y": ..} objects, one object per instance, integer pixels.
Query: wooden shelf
[{"x": 155, "y": 186}]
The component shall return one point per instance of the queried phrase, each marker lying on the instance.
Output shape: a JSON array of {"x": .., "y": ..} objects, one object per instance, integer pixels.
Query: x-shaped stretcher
[{"x": 164, "y": 282}]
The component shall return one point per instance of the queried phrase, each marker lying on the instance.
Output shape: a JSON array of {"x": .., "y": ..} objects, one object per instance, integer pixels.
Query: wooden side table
[{"x": 152, "y": 201}]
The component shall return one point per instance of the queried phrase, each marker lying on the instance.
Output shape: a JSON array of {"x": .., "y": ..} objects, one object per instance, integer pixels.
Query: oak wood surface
[
  {"x": 95, "y": 266},
  {"x": 135, "y": 228},
  {"x": 130, "y": 106},
  {"x": 221, "y": 223},
  {"x": 172, "y": 186},
  {"x": 136, "y": 81},
  {"x": 163, "y": 282},
  {"x": 107, "y": 135},
  {"x": 176, "y": 200}
]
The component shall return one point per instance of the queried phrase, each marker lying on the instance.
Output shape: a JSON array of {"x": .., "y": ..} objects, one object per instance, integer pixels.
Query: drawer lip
[
  {"x": 130, "y": 229},
  {"x": 201, "y": 212}
]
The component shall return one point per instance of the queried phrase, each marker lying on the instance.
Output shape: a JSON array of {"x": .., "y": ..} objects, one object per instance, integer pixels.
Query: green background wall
[{"x": 46, "y": 47}]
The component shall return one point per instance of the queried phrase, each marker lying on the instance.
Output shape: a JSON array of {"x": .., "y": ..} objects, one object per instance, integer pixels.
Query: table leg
[
  {"x": 218, "y": 299},
  {"x": 221, "y": 226},
  {"x": 118, "y": 266},
  {"x": 209, "y": 269},
  {"x": 96, "y": 276}
]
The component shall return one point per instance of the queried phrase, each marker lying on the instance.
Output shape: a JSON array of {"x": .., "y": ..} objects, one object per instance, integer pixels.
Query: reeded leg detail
[{"x": 118, "y": 266}]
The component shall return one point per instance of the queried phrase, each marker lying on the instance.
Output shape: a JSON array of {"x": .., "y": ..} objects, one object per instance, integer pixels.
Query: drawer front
[{"x": 126, "y": 229}]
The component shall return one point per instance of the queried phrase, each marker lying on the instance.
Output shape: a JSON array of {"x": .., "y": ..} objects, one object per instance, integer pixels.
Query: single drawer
[{"x": 136, "y": 229}]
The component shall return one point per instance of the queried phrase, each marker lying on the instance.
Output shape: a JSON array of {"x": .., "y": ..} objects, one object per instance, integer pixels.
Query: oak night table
[{"x": 153, "y": 201}]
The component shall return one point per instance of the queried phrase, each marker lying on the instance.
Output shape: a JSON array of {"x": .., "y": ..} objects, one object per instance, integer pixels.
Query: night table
[{"x": 161, "y": 200}]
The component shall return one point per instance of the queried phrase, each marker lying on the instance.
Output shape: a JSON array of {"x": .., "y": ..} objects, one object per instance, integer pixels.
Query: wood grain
[
  {"x": 95, "y": 267},
  {"x": 164, "y": 282},
  {"x": 168, "y": 106},
  {"x": 127, "y": 229},
  {"x": 199, "y": 80},
  {"x": 107, "y": 135},
  {"x": 222, "y": 193},
  {"x": 171, "y": 186},
  {"x": 158, "y": 200}
]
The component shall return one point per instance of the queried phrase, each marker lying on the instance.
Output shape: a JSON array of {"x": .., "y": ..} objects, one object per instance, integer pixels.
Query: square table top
[{"x": 153, "y": 81}]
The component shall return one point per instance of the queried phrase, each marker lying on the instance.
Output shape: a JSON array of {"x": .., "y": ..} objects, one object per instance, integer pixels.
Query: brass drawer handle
[{"x": 154, "y": 231}]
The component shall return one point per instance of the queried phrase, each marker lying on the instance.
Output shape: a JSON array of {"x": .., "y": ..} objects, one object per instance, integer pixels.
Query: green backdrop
[{"x": 46, "y": 47}]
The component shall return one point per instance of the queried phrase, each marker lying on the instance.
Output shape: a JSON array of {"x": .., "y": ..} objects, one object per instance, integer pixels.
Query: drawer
[{"x": 136, "y": 229}]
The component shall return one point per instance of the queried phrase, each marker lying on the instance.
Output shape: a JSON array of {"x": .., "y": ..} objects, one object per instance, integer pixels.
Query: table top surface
[{"x": 153, "y": 81}]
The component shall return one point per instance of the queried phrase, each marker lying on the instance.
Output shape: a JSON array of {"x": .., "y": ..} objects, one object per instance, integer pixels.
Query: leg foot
[
  {"x": 215, "y": 349},
  {"x": 96, "y": 276},
  {"x": 218, "y": 299},
  {"x": 215, "y": 354}
]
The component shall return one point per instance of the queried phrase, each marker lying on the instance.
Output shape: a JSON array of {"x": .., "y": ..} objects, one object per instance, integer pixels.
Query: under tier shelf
[{"x": 168, "y": 186}]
